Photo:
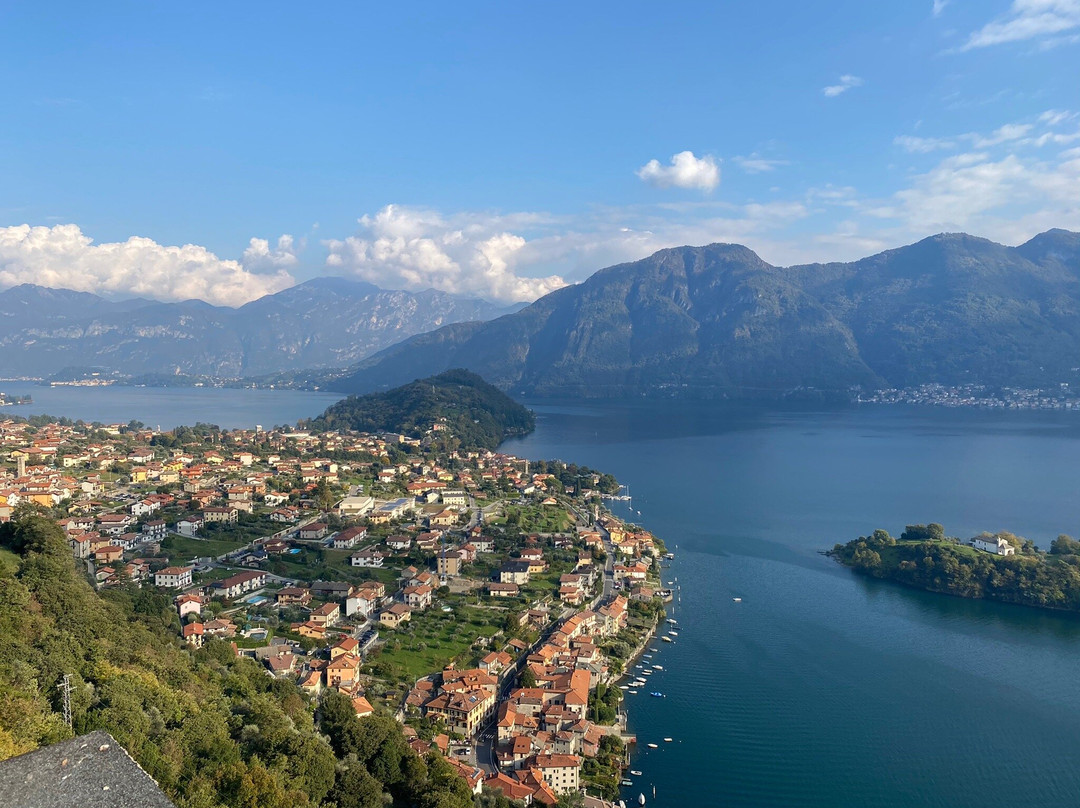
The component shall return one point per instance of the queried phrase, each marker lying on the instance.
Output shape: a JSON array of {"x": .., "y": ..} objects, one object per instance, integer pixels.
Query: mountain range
[
  {"x": 719, "y": 321},
  {"x": 326, "y": 322}
]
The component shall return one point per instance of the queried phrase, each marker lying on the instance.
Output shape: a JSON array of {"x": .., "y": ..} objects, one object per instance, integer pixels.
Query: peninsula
[{"x": 991, "y": 566}]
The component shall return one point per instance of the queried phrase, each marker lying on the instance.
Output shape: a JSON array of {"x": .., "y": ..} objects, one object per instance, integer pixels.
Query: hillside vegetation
[
  {"x": 719, "y": 321},
  {"x": 469, "y": 409},
  {"x": 212, "y": 729}
]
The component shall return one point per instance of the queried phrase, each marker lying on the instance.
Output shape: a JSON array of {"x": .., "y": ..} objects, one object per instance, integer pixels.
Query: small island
[{"x": 991, "y": 566}]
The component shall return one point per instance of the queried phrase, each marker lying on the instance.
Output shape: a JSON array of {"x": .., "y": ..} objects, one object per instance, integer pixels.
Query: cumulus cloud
[
  {"x": 1027, "y": 19},
  {"x": 684, "y": 171},
  {"x": 402, "y": 247},
  {"x": 64, "y": 257},
  {"x": 260, "y": 257},
  {"x": 846, "y": 83}
]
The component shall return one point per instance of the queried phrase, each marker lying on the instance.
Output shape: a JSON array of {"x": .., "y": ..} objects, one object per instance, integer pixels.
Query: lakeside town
[
  {"x": 975, "y": 395},
  {"x": 489, "y": 604}
]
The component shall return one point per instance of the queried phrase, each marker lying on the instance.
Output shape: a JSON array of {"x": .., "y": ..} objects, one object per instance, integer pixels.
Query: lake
[
  {"x": 169, "y": 407},
  {"x": 822, "y": 688}
]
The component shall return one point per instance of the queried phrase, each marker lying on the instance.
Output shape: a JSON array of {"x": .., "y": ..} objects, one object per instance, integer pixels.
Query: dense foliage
[
  {"x": 936, "y": 563},
  {"x": 211, "y": 728},
  {"x": 719, "y": 321},
  {"x": 475, "y": 414}
]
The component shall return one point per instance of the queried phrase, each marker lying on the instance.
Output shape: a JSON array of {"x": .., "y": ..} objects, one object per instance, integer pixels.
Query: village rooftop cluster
[{"x": 348, "y": 561}]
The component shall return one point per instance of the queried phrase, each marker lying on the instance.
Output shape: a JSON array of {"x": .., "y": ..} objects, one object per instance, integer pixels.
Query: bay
[{"x": 822, "y": 688}]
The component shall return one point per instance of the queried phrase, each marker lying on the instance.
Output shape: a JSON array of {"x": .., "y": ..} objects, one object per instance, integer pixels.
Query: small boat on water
[
  {"x": 639, "y": 665},
  {"x": 667, "y": 740},
  {"x": 672, "y": 620},
  {"x": 622, "y": 804},
  {"x": 737, "y": 600},
  {"x": 624, "y": 687},
  {"x": 632, "y": 692},
  {"x": 673, "y": 634},
  {"x": 657, "y": 667},
  {"x": 666, "y": 639},
  {"x": 627, "y": 782},
  {"x": 640, "y": 799},
  {"x": 657, "y": 694},
  {"x": 646, "y": 672},
  {"x": 652, "y": 746},
  {"x": 635, "y": 773}
]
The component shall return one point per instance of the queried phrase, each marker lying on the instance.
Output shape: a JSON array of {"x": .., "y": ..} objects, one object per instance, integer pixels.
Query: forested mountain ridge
[
  {"x": 211, "y": 728},
  {"x": 326, "y": 322},
  {"x": 719, "y": 321},
  {"x": 470, "y": 410}
]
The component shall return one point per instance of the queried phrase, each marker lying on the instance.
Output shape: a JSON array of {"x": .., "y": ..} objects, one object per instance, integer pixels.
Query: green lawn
[
  {"x": 181, "y": 547},
  {"x": 428, "y": 641}
]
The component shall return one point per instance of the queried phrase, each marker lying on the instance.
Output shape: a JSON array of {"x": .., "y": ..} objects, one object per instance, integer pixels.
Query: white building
[
  {"x": 173, "y": 577},
  {"x": 993, "y": 544}
]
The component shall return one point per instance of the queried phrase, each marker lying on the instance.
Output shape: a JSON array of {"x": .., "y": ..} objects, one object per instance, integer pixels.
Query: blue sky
[{"x": 225, "y": 150}]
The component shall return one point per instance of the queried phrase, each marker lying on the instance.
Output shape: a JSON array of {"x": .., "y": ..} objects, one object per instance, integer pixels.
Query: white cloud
[
  {"x": 922, "y": 145},
  {"x": 685, "y": 171},
  {"x": 64, "y": 257},
  {"x": 469, "y": 254},
  {"x": 846, "y": 83},
  {"x": 259, "y": 257},
  {"x": 756, "y": 164},
  {"x": 1003, "y": 197},
  {"x": 1027, "y": 19},
  {"x": 1010, "y": 131},
  {"x": 939, "y": 6},
  {"x": 1052, "y": 117}
]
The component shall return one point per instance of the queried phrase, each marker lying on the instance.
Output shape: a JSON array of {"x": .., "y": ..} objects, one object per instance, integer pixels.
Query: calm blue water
[
  {"x": 822, "y": 688},
  {"x": 170, "y": 407}
]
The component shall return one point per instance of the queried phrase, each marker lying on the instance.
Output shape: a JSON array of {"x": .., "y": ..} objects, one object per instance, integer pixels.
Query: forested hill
[
  {"x": 925, "y": 558},
  {"x": 719, "y": 321},
  {"x": 212, "y": 729},
  {"x": 458, "y": 402}
]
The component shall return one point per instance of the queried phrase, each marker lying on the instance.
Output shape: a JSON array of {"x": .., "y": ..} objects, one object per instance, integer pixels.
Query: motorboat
[
  {"x": 624, "y": 687},
  {"x": 627, "y": 782},
  {"x": 667, "y": 740},
  {"x": 673, "y": 634},
  {"x": 657, "y": 667},
  {"x": 635, "y": 773},
  {"x": 632, "y": 692},
  {"x": 652, "y": 746},
  {"x": 657, "y": 694},
  {"x": 666, "y": 639},
  {"x": 640, "y": 799},
  {"x": 737, "y": 600}
]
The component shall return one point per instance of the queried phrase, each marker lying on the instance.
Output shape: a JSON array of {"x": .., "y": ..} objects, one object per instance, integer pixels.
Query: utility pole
[{"x": 65, "y": 689}]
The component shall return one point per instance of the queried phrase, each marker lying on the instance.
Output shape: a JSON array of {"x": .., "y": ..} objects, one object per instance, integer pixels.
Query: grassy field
[
  {"x": 181, "y": 547},
  {"x": 535, "y": 518},
  {"x": 431, "y": 639},
  {"x": 335, "y": 566}
]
